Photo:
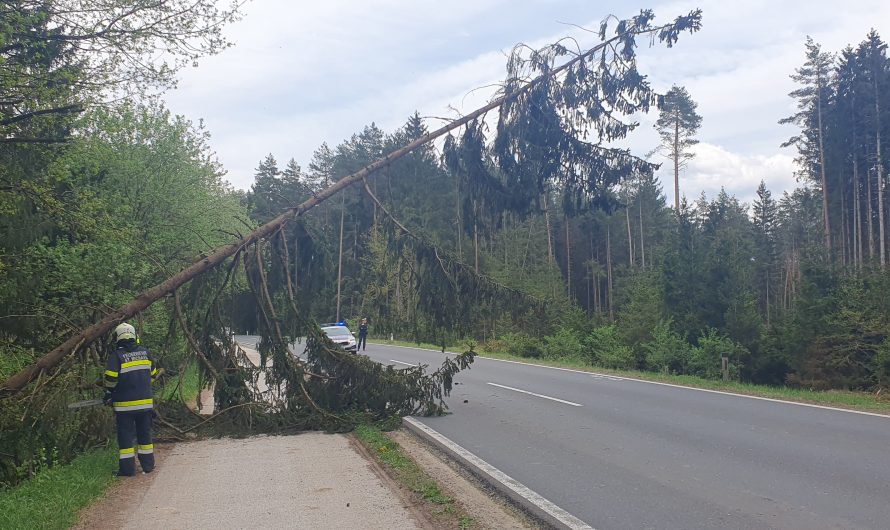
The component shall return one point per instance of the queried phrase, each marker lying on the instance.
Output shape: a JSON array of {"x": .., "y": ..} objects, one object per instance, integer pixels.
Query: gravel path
[{"x": 311, "y": 480}]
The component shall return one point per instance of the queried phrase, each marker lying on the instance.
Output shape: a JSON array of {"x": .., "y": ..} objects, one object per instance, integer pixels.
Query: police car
[{"x": 340, "y": 335}]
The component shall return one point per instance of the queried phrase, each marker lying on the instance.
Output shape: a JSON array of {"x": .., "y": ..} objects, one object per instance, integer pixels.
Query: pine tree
[
  {"x": 676, "y": 125},
  {"x": 816, "y": 76}
]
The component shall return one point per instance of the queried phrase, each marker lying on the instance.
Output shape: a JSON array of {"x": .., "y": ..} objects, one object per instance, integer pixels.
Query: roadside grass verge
[
  {"x": 410, "y": 475},
  {"x": 52, "y": 498},
  {"x": 189, "y": 383},
  {"x": 861, "y": 401}
]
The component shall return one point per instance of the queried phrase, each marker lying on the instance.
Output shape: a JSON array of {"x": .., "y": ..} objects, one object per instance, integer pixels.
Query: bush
[
  {"x": 523, "y": 345},
  {"x": 565, "y": 344},
  {"x": 705, "y": 360},
  {"x": 667, "y": 351},
  {"x": 603, "y": 347},
  {"x": 493, "y": 346}
]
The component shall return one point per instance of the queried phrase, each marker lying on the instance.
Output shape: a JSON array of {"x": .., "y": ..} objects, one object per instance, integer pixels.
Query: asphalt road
[{"x": 620, "y": 453}]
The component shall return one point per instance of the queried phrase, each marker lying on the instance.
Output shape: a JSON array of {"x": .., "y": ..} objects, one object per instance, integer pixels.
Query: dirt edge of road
[
  {"x": 487, "y": 507},
  {"x": 415, "y": 506},
  {"x": 105, "y": 513}
]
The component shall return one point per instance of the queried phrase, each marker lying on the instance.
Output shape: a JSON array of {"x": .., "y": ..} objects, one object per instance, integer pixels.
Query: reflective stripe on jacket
[{"x": 128, "y": 375}]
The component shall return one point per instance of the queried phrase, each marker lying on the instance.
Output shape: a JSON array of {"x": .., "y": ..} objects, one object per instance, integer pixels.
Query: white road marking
[
  {"x": 609, "y": 377},
  {"x": 811, "y": 405},
  {"x": 402, "y": 362},
  {"x": 564, "y": 517},
  {"x": 537, "y": 395}
]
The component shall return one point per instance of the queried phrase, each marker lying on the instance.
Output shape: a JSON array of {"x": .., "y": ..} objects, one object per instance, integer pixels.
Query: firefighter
[{"x": 128, "y": 377}]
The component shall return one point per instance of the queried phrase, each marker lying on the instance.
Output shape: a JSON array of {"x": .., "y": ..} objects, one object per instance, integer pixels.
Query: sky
[{"x": 303, "y": 73}]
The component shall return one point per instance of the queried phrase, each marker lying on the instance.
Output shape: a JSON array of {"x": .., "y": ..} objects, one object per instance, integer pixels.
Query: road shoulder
[{"x": 487, "y": 508}]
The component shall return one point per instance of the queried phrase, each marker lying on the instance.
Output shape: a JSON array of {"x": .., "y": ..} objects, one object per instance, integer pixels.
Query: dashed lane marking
[
  {"x": 402, "y": 362},
  {"x": 572, "y": 403}
]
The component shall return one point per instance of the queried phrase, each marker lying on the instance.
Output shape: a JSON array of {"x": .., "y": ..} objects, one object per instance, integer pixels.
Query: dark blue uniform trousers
[{"x": 134, "y": 425}]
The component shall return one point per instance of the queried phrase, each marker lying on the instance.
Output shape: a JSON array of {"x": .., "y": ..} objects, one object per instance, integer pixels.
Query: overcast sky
[{"x": 304, "y": 73}]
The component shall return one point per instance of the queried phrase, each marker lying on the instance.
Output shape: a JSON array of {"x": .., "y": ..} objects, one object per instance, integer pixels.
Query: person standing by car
[
  {"x": 362, "y": 334},
  {"x": 128, "y": 377}
]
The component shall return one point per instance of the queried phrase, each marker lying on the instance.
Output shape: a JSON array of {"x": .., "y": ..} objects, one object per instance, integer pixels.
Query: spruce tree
[
  {"x": 872, "y": 55},
  {"x": 765, "y": 213},
  {"x": 817, "y": 76}
]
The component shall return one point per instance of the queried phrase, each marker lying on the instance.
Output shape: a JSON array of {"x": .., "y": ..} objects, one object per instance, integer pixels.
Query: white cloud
[
  {"x": 715, "y": 168},
  {"x": 306, "y": 73}
]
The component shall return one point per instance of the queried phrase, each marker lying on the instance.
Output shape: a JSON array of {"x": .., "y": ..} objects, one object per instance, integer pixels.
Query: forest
[
  {"x": 790, "y": 288},
  {"x": 514, "y": 236}
]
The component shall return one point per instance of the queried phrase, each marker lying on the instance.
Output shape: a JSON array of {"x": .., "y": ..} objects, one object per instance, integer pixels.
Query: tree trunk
[
  {"x": 630, "y": 241},
  {"x": 549, "y": 233},
  {"x": 609, "y": 272},
  {"x": 460, "y": 225},
  {"x": 568, "y": 257},
  {"x": 296, "y": 261},
  {"x": 676, "y": 157},
  {"x": 844, "y": 223},
  {"x": 857, "y": 211},
  {"x": 642, "y": 238},
  {"x": 340, "y": 257},
  {"x": 825, "y": 220},
  {"x": 596, "y": 295},
  {"x": 871, "y": 230},
  {"x": 767, "y": 297},
  {"x": 880, "y": 169},
  {"x": 528, "y": 242},
  {"x": 476, "y": 235},
  {"x": 504, "y": 234},
  {"x": 597, "y": 298}
]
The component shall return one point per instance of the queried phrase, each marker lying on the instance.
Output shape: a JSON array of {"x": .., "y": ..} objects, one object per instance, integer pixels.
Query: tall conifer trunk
[
  {"x": 340, "y": 258},
  {"x": 642, "y": 239},
  {"x": 767, "y": 297},
  {"x": 460, "y": 225},
  {"x": 568, "y": 256},
  {"x": 871, "y": 230},
  {"x": 844, "y": 225},
  {"x": 825, "y": 219},
  {"x": 609, "y": 271},
  {"x": 880, "y": 170},
  {"x": 677, "y": 164},
  {"x": 857, "y": 211},
  {"x": 476, "y": 235},
  {"x": 296, "y": 261},
  {"x": 549, "y": 233},
  {"x": 630, "y": 241}
]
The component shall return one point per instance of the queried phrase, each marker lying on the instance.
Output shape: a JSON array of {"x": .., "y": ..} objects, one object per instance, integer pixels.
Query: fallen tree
[{"x": 583, "y": 65}]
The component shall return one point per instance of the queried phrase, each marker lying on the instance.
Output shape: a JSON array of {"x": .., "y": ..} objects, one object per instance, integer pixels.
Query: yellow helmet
[{"x": 123, "y": 332}]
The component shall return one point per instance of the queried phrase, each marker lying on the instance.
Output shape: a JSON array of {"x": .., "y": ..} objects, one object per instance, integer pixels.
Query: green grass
[
  {"x": 861, "y": 401},
  {"x": 409, "y": 474},
  {"x": 190, "y": 385},
  {"x": 52, "y": 498}
]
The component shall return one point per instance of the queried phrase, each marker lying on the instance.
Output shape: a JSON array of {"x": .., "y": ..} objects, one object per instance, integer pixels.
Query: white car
[{"x": 341, "y": 336}]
